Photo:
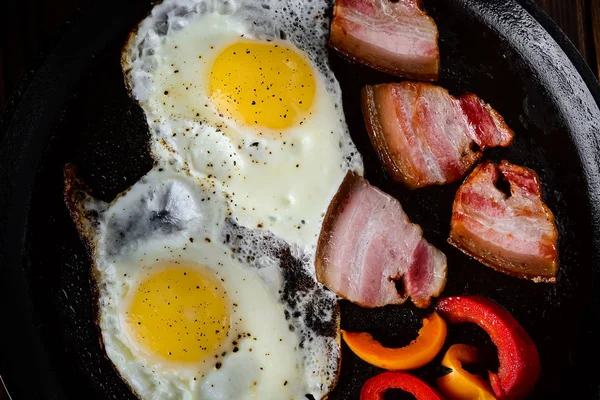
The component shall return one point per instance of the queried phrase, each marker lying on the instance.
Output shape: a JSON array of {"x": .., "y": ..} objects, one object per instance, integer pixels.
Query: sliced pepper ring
[
  {"x": 519, "y": 360},
  {"x": 461, "y": 384},
  {"x": 374, "y": 388},
  {"x": 417, "y": 354}
]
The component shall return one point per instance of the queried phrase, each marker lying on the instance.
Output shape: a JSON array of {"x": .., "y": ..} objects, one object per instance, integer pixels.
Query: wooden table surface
[
  {"x": 580, "y": 20},
  {"x": 21, "y": 41}
]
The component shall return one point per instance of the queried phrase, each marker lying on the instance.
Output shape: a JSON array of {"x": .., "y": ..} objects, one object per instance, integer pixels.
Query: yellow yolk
[
  {"x": 263, "y": 84},
  {"x": 179, "y": 314}
]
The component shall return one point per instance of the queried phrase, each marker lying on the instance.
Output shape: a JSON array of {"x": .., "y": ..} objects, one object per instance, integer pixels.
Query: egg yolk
[
  {"x": 179, "y": 314},
  {"x": 262, "y": 84}
]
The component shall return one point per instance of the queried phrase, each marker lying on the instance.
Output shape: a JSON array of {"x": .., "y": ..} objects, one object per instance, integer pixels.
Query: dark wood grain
[
  {"x": 573, "y": 17},
  {"x": 595, "y": 16}
]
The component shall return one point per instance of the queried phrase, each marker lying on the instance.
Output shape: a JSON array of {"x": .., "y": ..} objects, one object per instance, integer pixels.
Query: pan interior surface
[{"x": 77, "y": 110}]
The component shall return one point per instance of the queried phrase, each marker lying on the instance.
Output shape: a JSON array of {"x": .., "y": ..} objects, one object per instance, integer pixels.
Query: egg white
[
  {"x": 254, "y": 199},
  {"x": 170, "y": 217},
  {"x": 280, "y": 183}
]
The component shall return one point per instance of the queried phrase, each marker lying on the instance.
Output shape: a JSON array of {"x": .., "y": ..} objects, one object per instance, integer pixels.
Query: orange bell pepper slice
[
  {"x": 417, "y": 354},
  {"x": 519, "y": 360},
  {"x": 460, "y": 384}
]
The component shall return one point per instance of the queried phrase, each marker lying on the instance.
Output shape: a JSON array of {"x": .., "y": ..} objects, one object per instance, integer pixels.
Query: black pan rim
[{"x": 19, "y": 155}]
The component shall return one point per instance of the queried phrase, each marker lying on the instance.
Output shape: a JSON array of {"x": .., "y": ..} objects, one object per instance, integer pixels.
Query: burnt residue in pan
[{"x": 104, "y": 133}]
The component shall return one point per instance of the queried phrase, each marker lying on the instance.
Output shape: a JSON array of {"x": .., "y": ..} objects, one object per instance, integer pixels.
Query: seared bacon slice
[
  {"x": 514, "y": 232},
  {"x": 424, "y": 136},
  {"x": 394, "y": 37},
  {"x": 371, "y": 254}
]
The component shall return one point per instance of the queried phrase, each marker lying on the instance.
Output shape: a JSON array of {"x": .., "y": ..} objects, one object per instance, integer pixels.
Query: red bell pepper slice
[
  {"x": 374, "y": 388},
  {"x": 519, "y": 367}
]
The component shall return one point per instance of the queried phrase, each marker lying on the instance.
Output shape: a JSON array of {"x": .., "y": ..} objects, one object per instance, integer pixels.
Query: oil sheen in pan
[{"x": 522, "y": 74}]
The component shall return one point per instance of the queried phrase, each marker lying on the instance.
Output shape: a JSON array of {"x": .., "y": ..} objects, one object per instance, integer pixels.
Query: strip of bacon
[
  {"x": 424, "y": 136},
  {"x": 371, "y": 254},
  {"x": 513, "y": 233},
  {"x": 395, "y": 37}
]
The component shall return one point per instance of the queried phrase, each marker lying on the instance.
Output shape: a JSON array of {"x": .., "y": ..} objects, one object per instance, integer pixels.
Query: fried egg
[
  {"x": 240, "y": 93},
  {"x": 204, "y": 268},
  {"x": 192, "y": 306}
]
